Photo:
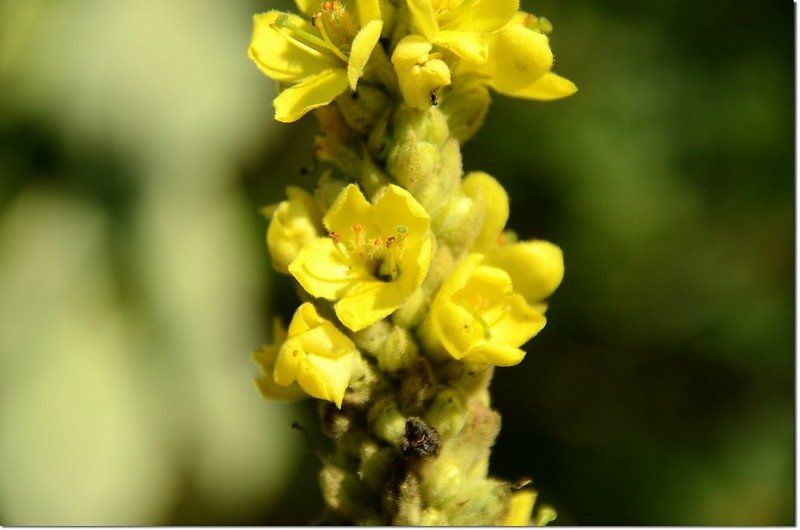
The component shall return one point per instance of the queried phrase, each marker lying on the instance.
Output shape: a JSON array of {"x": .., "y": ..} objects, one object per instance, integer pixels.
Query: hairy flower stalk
[{"x": 413, "y": 288}]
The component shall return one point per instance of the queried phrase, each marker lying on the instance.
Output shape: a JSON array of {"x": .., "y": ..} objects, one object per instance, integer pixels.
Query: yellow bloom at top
[
  {"x": 506, "y": 49},
  {"x": 519, "y": 61},
  {"x": 461, "y": 26},
  {"x": 318, "y": 58},
  {"x": 375, "y": 257},
  {"x": 420, "y": 73}
]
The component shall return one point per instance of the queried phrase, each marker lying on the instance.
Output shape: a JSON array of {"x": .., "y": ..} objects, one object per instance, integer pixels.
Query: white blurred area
[{"x": 108, "y": 409}]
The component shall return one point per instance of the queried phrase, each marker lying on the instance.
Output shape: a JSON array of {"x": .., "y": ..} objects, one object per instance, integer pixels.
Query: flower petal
[
  {"x": 483, "y": 188},
  {"x": 470, "y": 46},
  {"x": 518, "y": 57},
  {"x": 350, "y": 208},
  {"x": 536, "y": 267},
  {"x": 424, "y": 17},
  {"x": 326, "y": 270},
  {"x": 281, "y": 57},
  {"x": 266, "y": 383},
  {"x": 512, "y": 321},
  {"x": 368, "y": 10},
  {"x": 396, "y": 206},
  {"x": 308, "y": 94},
  {"x": 290, "y": 356},
  {"x": 293, "y": 223},
  {"x": 494, "y": 353},
  {"x": 490, "y": 15},
  {"x": 363, "y": 44},
  {"x": 326, "y": 378},
  {"x": 414, "y": 264},
  {"x": 548, "y": 88},
  {"x": 368, "y": 302},
  {"x": 456, "y": 328}
]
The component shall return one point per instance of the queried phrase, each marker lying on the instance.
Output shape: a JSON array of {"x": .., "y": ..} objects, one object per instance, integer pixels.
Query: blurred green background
[{"x": 137, "y": 144}]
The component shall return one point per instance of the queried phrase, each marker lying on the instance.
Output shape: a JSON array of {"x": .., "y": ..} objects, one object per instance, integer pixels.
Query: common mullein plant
[{"x": 412, "y": 289}]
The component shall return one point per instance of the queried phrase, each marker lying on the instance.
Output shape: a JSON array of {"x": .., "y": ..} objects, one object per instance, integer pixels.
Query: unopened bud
[
  {"x": 386, "y": 421},
  {"x": 361, "y": 109},
  {"x": 398, "y": 352},
  {"x": 457, "y": 222},
  {"x": 465, "y": 104},
  {"x": 487, "y": 502},
  {"x": 375, "y": 465},
  {"x": 447, "y": 412},
  {"x": 345, "y": 495}
]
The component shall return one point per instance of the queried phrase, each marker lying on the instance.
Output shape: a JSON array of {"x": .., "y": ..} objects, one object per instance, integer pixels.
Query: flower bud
[
  {"x": 442, "y": 482},
  {"x": 375, "y": 465},
  {"x": 432, "y": 517},
  {"x": 457, "y": 222},
  {"x": 414, "y": 164},
  {"x": 465, "y": 104},
  {"x": 386, "y": 421},
  {"x": 487, "y": 501},
  {"x": 398, "y": 352},
  {"x": 371, "y": 338},
  {"x": 362, "y": 109},
  {"x": 447, "y": 412},
  {"x": 345, "y": 495}
]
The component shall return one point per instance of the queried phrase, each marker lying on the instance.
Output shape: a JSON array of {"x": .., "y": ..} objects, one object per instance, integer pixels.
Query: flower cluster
[
  {"x": 319, "y": 56},
  {"x": 413, "y": 288}
]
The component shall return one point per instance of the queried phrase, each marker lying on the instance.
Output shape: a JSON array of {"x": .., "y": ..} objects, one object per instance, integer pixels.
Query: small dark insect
[
  {"x": 434, "y": 99},
  {"x": 420, "y": 439}
]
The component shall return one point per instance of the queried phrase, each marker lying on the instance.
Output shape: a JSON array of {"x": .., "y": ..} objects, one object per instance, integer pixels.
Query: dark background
[{"x": 136, "y": 146}]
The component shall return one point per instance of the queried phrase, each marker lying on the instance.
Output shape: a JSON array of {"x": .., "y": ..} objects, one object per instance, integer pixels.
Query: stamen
[
  {"x": 337, "y": 238},
  {"x": 319, "y": 23},
  {"x": 358, "y": 232},
  {"x": 487, "y": 331},
  {"x": 306, "y": 40},
  {"x": 504, "y": 314}
]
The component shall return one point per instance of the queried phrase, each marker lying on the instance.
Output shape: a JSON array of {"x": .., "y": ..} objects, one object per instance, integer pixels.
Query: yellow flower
[
  {"x": 461, "y": 26},
  {"x": 419, "y": 72},
  {"x": 536, "y": 267},
  {"x": 519, "y": 61},
  {"x": 315, "y": 355},
  {"x": 484, "y": 189},
  {"x": 266, "y": 358},
  {"x": 375, "y": 257},
  {"x": 477, "y": 317},
  {"x": 293, "y": 223},
  {"x": 319, "y": 58}
]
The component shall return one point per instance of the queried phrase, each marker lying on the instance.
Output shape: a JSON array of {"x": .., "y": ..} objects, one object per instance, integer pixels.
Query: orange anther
[{"x": 336, "y": 237}]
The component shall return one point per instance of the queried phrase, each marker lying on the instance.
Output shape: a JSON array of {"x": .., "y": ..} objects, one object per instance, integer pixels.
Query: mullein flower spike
[{"x": 414, "y": 289}]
